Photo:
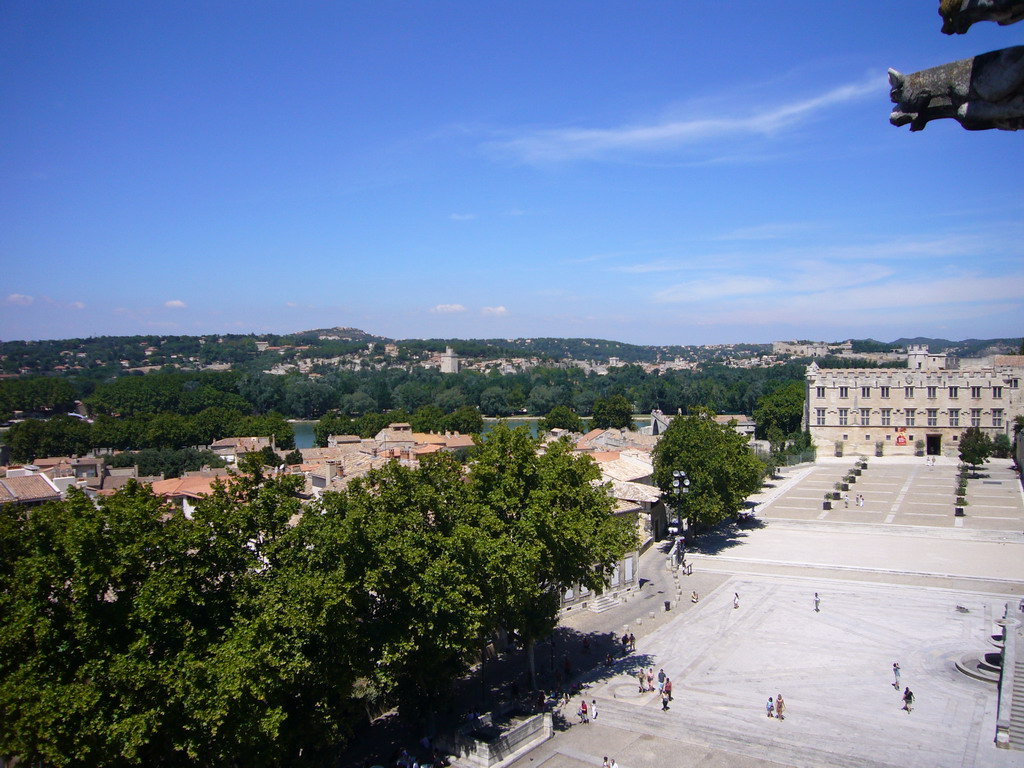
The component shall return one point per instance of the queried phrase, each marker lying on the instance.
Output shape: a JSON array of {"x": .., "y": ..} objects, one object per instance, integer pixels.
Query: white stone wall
[{"x": 944, "y": 403}]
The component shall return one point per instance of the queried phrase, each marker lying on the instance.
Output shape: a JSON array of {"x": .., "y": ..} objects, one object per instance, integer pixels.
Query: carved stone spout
[
  {"x": 959, "y": 15},
  {"x": 980, "y": 93}
]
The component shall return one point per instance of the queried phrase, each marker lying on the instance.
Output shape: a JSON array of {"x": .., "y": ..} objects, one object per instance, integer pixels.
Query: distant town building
[{"x": 449, "y": 361}]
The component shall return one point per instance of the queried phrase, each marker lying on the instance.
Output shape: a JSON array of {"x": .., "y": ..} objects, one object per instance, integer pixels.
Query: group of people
[
  {"x": 646, "y": 679},
  {"x": 858, "y": 500},
  {"x": 628, "y": 642},
  {"x": 609, "y": 763},
  {"x": 908, "y": 695},
  {"x": 776, "y": 707}
]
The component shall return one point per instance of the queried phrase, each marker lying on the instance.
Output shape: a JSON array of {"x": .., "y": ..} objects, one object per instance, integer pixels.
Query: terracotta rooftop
[
  {"x": 192, "y": 487},
  {"x": 30, "y": 488}
]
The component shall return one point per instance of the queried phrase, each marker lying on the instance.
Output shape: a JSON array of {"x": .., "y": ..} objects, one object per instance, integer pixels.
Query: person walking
[
  {"x": 668, "y": 688},
  {"x": 896, "y": 674},
  {"x": 661, "y": 679},
  {"x": 736, "y": 600},
  {"x": 780, "y": 705},
  {"x": 606, "y": 764},
  {"x": 694, "y": 597},
  {"x": 632, "y": 641},
  {"x": 769, "y": 707},
  {"x": 650, "y": 679},
  {"x": 846, "y": 500},
  {"x": 642, "y": 677},
  {"x": 817, "y": 603},
  {"x": 584, "y": 715},
  {"x": 664, "y": 701},
  {"x": 593, "y": 709},
  {"x": 908, "y": 699}
]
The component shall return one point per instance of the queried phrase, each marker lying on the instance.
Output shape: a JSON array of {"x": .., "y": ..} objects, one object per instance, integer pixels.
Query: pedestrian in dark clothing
[
  {"x": 908, "y": 699},
  {"x": 668, "y": 688}
]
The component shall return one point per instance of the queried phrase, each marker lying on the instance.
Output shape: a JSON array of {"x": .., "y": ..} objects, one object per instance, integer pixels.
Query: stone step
[{"x": 602, "y": 604}]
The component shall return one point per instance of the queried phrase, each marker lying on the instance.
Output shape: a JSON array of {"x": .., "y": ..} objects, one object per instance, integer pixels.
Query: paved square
[
  {"x": 832, "y": 667},
  {"x": 890, "y": 574}
]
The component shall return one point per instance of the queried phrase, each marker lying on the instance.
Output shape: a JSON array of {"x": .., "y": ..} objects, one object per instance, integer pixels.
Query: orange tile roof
[
  {"x": 192, "y": 487},
  {"x": 30, "y": 488}
]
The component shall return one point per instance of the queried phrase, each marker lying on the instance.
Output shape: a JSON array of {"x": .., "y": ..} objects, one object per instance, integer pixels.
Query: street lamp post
[{"x": 680, "y": 487}]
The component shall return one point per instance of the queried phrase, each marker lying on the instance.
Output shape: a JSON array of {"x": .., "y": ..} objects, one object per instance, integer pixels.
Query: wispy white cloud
[
  {"x": 773, "y": 231},
  {"x": 651, "y": 266},
  {"x": 563, "y": 144},
  {"x": 447, "y": 309},
  {"x": 77, "y": 305},
  {"x": 175, "y": 304},
  {"x": 19, "y": 299},
  {"x": 494, "y": 311},
  {"x": 461, "y": 216}
]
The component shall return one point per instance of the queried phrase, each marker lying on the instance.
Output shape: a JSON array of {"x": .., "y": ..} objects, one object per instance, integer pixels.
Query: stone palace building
[{"x": 921, "y": 409}]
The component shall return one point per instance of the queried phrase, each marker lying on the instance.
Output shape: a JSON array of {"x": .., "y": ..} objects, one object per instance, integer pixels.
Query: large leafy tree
[
  {"x": 135, "y": 637},
  {"x": 551, "y": 527},
  {"x": 468, "y": 420},
  {"x": 413, "y": 555},
  {"x": 778, "y": 414},
  {"x": 615, "y": 412},
  {"x": 721, "y": 468},
  {"x": 561, "y": 417}
]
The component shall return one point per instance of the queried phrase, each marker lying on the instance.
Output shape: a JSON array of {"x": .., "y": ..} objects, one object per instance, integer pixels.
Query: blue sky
[{"x": 650, "y": 172}]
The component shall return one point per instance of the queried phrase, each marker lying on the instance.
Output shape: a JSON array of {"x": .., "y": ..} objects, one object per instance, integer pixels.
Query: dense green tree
[
  {"x": 428, "y": 418},
  {"x": 781, "y": 410},
  {"x": 719, "y": 463},
  {"x": 551, "y": 527},
  {"x": 333, "y": 424},
  {"x": 543, "y": 398},
  {"x": 358, "y": 403},
  {"x": 412, "y": 551},
  {"x": 561, "y": 417},
  {"x": 494, "y": 402},
  {"x": 615, "y": 412},
  {"x": 449, "y": 400},
  {"x": 1001, "y": 446},
  {"x": 467, "y": 420},
  {"x": 134, "y": 638},
  {"x": 975, "y": 447},
  {"x": 167, "y": 462},
  {"x": 293, "y": 457}
]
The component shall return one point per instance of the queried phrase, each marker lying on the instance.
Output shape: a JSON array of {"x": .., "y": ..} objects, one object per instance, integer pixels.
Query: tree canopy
[
  {"x": 614, "y": 412},
  {"x": 561, "y": 417},
  {"x": 249, "y": 634},
  {"x": 975, "y": 447},
  {"x": 721, "y": 467}
]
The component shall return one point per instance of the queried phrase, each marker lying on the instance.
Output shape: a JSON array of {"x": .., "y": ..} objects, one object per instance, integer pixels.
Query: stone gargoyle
[
  {"x": 982, "y": 92},
  {"x": 959, "y": 15}
]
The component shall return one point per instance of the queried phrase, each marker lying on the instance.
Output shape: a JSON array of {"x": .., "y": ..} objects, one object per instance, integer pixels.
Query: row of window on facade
[
  {"x": 909, "y": 417},
  {"x": 932, "y": 392}
]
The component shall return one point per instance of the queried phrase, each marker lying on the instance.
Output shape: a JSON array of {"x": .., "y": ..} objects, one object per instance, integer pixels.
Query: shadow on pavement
[{"x": 724, "y": 536}]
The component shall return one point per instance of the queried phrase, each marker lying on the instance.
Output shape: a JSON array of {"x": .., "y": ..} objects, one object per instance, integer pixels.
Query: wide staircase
[{"x": 1017, "y": 708}]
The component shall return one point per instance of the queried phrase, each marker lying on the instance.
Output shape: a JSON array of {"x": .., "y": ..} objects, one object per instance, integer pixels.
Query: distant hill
[
  {"x": 967, "y": 347},
  {"x": 341, "y": 334}
]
